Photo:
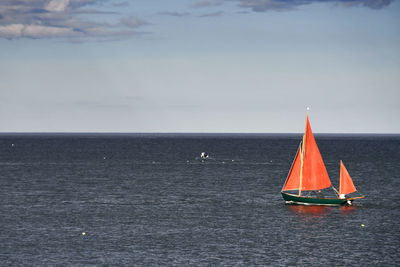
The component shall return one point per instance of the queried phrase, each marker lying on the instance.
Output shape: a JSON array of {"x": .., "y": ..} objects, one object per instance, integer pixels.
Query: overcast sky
[{"x": 199, "y": 66}]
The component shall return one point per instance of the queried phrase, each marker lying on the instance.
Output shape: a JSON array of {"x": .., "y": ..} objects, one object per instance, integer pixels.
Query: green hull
[{"x": 294, "y": 199}]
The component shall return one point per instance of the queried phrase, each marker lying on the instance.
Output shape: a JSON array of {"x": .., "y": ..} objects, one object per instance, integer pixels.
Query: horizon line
[{"x": 192, "y": 133}]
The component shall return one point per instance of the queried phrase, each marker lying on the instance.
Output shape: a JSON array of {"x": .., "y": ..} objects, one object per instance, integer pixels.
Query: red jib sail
[
  {"x": 312, "y": 175},
  {"x": 315, "y": 176},
  {"x": 346, "y": 183}
]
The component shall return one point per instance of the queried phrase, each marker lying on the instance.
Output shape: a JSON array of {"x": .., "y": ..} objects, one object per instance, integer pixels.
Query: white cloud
[
  {"x": 57, "y": 5},
  {"x": 35, "y": 31},
  {"x": 63, "y": 19},
  {"x": 11, "y": 31}
]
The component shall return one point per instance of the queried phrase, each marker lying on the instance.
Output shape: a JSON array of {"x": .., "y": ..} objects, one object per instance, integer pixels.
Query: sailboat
[{"x": 308, "y": 180}]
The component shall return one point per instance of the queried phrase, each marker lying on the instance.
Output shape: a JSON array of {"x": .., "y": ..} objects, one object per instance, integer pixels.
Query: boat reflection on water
[
  {"x": 319, "y": 211},
  {"x": 348, "y": 209},
  {"x": 310, "y": 211}
]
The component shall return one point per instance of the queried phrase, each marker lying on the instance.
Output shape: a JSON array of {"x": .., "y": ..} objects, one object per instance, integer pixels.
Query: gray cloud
[
  {"x": 132, "y": 22},
  {"x": 283, "y": 5},
  {"x": 206, "y": 3},
  {"x": 61, "y": 19},
  {"x": 121, "y": 4},
  {"x": 212, "y": 14},
  {"x": 175, "y": 14}
]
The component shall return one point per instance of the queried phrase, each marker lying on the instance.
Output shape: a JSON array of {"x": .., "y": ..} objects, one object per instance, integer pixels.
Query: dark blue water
[{"x": 149, "y": 200}]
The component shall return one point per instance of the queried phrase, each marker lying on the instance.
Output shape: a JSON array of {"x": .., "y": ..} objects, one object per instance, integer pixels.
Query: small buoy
[
  {"x": 233, "y": 160},
  {"x": 104, "y": 157},
  {"x": 12, "y": 145},
  {"x": 362, "y": 225},
  {"x": 83, "y": 233},
  {"x": 187, "y": 161}
]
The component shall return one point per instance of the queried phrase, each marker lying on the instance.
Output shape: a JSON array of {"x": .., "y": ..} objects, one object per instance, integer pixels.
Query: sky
[{"x": 240, "y": 66}]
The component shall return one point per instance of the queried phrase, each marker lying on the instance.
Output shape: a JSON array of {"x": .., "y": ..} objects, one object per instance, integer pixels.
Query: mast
[{"x": 340, "y": 178}]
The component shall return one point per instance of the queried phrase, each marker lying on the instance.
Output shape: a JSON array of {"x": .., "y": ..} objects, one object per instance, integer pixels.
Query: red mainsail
[
  {"x": 346, "y": 183},
  {"x": 315, "y": 176},
  {"x": 308, "y": 169}
]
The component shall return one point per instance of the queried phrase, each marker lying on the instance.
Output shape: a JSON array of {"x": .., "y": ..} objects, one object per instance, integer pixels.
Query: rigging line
[{"x": 337, "y": 192}]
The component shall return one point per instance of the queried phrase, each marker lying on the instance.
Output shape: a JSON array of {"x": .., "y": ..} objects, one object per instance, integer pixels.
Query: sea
[{"x": 151, "y": 200}]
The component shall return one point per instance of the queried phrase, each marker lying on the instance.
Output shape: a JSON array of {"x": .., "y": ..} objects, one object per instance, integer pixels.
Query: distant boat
[
  {"x": 308, "y": 178},
  {"x": 204, "y": 155}
]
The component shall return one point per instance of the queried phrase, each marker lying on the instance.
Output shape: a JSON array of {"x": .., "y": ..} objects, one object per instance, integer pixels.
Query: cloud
[
  {"x": 63, "y": 19},
  {"x": 57, "y": 5},
  {"x": 212, "y": 14},
  {"x": 132, "y": 22},
  {"x": 283, "y": 5},
  {"x": 175, "y": 14},
  {"x": 123, "y": 4},
  {"x": 206, "y": 3},
  {"x": 36, "y": 31},
  {"x": 264, "y": 5}
]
